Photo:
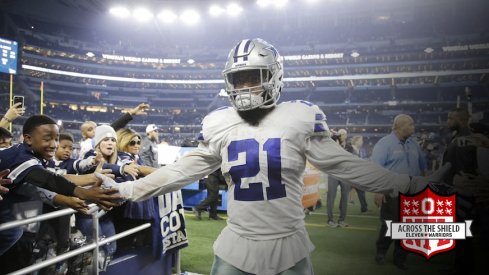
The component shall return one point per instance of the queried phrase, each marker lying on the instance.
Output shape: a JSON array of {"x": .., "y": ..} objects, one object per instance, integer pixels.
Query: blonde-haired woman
[
  {"x": 105, "y": 141},
  {"x": 128, "y": 146},
  {"x": 132, "y": 214}
]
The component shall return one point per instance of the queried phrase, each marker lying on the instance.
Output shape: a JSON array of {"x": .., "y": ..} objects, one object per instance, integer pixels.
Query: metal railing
[{"x": 96, "y": 214}]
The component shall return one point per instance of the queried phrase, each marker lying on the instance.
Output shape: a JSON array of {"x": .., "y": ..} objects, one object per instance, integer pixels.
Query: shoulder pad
[
  {"x": 216, "y": 121},
  {"x": 311, "y": 115}
]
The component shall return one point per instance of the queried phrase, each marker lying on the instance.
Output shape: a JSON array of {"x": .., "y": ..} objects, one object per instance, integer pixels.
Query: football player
[{"x": 261, "y": 147}]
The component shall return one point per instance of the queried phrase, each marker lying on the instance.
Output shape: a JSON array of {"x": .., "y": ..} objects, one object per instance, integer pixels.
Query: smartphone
[{"x": 17, "y": 99}]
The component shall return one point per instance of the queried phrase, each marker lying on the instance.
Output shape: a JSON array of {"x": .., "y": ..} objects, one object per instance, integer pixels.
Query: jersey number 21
[{"x": 251, "y": 147}]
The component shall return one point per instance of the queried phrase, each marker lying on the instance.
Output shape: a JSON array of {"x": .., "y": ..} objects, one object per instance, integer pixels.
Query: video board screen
[{"x": 8, "y": 58}]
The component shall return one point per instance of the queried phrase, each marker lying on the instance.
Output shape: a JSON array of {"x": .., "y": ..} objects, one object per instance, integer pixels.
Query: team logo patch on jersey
[{"x": 427, "y": 223}]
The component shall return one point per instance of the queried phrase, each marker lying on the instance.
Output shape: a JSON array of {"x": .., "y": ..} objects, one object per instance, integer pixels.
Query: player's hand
[
  {"x": 108, "y": 183},
  {"x": 379, "y": 199},
  {"x": 105, "y": 198},
  {"x": 418, "y": 183},
  {"x": 3, "y": 189},
  {"x": 139, "y": 110}
]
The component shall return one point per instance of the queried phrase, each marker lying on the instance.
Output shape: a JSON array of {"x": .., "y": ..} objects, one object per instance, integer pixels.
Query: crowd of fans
[{"x": 105, "y": 151}]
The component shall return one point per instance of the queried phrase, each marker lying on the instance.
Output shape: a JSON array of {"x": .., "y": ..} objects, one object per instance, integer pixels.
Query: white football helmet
[{"x": 258, "y": 62}]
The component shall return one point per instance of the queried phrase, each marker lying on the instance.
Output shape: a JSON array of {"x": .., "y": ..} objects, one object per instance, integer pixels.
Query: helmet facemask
[
  {"x": 258, "y": 89},
  {"x": 253, "y": 75}
]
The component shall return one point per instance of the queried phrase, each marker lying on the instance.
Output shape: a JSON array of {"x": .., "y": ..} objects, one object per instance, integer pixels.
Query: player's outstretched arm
[
  {"x": 325, "y": 154},
  {"x": 146, "y": 170},
  {"x": 190, "y": 168}
]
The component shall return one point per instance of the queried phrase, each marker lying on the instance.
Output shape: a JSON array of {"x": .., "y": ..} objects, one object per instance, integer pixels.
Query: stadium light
[
  {"x": 234, "y": 9},
  {"x": 215, "y": 10},
  {"x": 264, "y": 3},
  {"x": 90, "y": 54},
  {"x": 190, "y": 17},
  {"x": 280, "y": 3},
  {"x": 354, "y": 54},
  {"x": 276, "y": 3},
  {"x": 121, "y": 12},
  {"x": 142, "y": 14},
  {"x": 190, "y": 61},
  {"x": 167, "y": 16}
]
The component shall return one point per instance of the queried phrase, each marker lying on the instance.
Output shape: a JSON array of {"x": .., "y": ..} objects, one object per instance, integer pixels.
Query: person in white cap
[
  {"x": 105, "y": 140},
  {"x": 88, "y": 127},
  {"x": 149, "y": 152}
]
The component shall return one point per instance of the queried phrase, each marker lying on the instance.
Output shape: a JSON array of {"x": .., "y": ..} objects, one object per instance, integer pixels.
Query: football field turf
[{"x": 339, "y": 251}]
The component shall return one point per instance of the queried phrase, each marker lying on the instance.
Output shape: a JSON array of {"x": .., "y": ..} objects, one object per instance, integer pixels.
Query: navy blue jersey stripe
[
  {"x": 200, "y": 137},
  {"x": 319, "y": 127},
  {"x": 320, "y": 117}
]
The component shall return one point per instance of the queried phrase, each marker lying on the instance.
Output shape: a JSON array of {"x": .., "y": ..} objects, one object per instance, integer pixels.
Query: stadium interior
[{"x": 361, "y": 62}]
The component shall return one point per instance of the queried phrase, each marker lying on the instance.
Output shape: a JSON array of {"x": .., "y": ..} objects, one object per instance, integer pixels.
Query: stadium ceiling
[
  {"x": 65, "y": 12},
  {"x": 79, "y": 13}
]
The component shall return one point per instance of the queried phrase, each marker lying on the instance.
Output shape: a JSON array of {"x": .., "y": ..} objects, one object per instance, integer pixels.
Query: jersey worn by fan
[
  {"x": 263, "y": 166},
  {"x": 20, "y": 159},
  {"x": 70, "y": 166}
]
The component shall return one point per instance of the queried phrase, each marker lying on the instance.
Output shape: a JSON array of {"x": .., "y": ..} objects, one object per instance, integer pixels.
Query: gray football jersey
[{"x": 264, "y": 166}]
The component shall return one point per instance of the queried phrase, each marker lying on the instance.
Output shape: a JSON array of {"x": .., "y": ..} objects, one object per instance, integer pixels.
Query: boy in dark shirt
[{"x": 27, "y": 162}]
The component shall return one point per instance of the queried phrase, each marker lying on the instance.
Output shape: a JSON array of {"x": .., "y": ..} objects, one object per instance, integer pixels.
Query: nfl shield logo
[{"x": 427, "y": 207}]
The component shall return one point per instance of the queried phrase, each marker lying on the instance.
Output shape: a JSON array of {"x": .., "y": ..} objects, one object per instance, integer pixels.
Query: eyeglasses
[{"x": 134, "y": 142}]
